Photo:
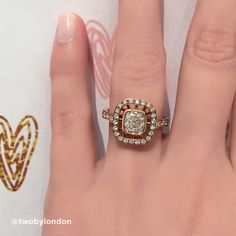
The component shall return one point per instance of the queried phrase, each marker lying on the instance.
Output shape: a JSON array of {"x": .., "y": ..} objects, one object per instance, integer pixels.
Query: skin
[{"x": 184, "y": 185}]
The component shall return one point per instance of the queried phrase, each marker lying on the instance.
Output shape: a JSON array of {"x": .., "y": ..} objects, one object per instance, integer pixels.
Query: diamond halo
[{"x": 134, "y": 121}]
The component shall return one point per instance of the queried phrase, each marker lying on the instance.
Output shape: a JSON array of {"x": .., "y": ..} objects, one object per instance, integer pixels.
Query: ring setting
[{"x": 134, "y": 121}]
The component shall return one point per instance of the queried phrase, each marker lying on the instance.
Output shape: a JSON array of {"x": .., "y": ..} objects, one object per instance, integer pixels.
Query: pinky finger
[{"x": 73, "y": 148}]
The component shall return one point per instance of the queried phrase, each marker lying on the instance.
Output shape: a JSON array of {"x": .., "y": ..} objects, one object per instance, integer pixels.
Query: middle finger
[{"x": 207, "y": 79}]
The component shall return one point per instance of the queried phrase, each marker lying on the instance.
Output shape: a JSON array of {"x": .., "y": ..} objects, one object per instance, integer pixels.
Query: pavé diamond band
[{"x": 134, "y": 121}]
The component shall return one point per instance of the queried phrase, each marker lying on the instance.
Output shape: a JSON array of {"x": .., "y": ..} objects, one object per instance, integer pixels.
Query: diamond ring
[{"x": 134, "y": 121}]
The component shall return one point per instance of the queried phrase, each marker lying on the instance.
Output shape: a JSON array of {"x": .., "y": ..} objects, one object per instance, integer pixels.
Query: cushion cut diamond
[{"x": 134, "y": 122}]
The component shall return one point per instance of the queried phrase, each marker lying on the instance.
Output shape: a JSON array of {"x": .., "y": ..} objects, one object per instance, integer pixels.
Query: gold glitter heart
[{"x": 16, "y": 150}]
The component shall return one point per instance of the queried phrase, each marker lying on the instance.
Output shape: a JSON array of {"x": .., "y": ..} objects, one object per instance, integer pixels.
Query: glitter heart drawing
[
  {"x": 102, "y": 47},
  {"x": 16, "y": 150}
]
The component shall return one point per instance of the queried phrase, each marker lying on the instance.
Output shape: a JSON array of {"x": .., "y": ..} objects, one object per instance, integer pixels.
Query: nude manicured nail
[{"x": 66, "y": 28}]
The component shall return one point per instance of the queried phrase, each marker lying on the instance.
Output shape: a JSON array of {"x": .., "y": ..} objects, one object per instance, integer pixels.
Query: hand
[{"x": 185, "y": 186}]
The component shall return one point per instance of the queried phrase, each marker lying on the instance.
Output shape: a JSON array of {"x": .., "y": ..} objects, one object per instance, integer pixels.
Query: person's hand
[{"x": 185, "y": 186}]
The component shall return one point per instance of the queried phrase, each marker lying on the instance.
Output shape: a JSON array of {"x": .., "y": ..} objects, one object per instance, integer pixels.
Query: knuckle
[
  {"x": 69, "y": 115},
  {"x": 212, "y": 47},
  {"x": 139, "y": 62}
]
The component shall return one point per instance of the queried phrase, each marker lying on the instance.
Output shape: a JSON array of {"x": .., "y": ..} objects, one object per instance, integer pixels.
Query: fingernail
[{"x": 66, "y": 28}]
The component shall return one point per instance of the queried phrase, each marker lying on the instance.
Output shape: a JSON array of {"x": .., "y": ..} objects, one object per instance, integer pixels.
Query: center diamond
[{"x": 134, "y": 122}]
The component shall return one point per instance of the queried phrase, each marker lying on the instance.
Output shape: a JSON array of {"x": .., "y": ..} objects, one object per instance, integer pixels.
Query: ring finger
[{"x": 139, "y": 65}]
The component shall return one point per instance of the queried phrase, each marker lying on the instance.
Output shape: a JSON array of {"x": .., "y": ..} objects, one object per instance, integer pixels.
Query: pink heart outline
[{"x": 102, "y": 48}]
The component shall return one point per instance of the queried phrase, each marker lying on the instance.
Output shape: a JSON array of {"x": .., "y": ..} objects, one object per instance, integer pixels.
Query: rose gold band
[{"x": 107, "y": 115}]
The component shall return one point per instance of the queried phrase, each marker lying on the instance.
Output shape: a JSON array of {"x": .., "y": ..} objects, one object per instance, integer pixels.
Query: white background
[{"x": 26, "y": 34}]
